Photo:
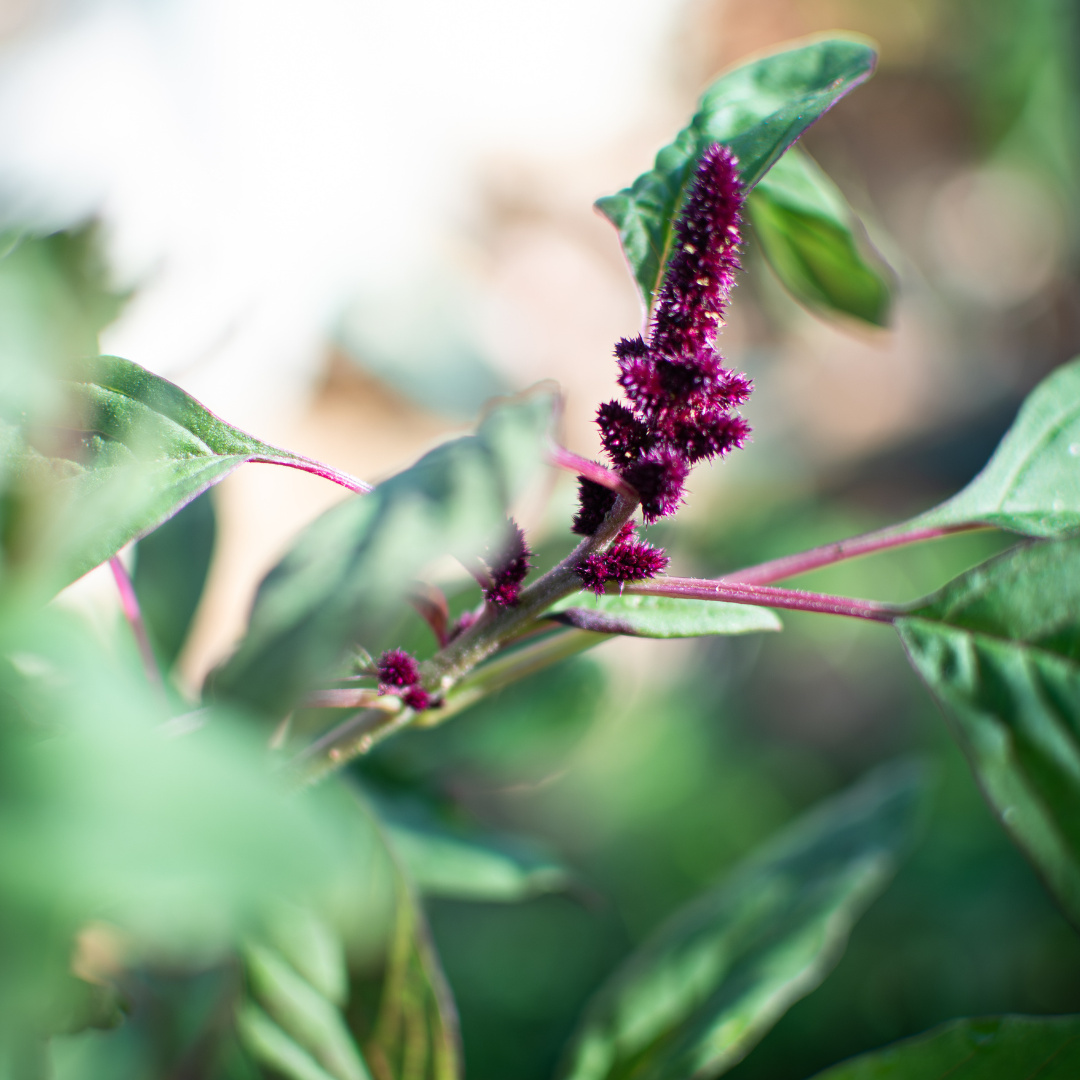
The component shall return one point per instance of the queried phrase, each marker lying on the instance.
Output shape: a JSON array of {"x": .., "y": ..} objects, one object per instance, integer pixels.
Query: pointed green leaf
[
  {"x": 661, "y": 616},
  {"x": 758, "y": 110},
  {"x": 132, "y": 450},
  {"x": 704, "y": 989},
  {"x": 815, "y": 244},
  {"x": 1031, "y": 484},
  {"x": 303, "y": 1013},
  {"x": 270, "y": 1045},
  {"x": 985, "y": 1048},
  {"x": 348, "y": 573},
  {"x": 999, "y": 648}
]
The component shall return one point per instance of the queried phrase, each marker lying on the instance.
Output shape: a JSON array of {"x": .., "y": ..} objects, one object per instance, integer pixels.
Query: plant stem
[
  {"x": 765, "y": 596},
  {"x": 881, "y": 540},
  {"x": 591, "y": 470},
  {"x": 130, "y": 604},
  {"x": 317, "y": 468}
]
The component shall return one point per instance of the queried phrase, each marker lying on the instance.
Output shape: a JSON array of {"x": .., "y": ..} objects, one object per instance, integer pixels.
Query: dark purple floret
[
  {"x": 628, "y": 348},
  {"x": 635, "y": 561},
  {"x": 417, "y": 698},
  {"x": 701, "y": 272},
  {"x": 397, "y": 669},
  {"x": 707, "y": 435},
  {"x": 658, "y": 478},
  {"x": 625, "y": 437},
  {"x": 593, "y": 571},
  {"x": 594, "y": 502},
  {"x": 510, "y": 570}
]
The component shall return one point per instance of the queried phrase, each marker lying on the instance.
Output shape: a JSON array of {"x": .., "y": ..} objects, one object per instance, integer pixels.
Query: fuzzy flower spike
[{"x": 681, "y": 397}]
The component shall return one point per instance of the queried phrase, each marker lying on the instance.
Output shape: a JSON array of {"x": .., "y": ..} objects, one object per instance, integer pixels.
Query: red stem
[
  {"x": 591, "y": 470},
  {"x": 130, "y": 603},
  {"x": 791, "y": 565},
  {"x": 317, "y": 468},
  {"x": 764, "y": 596}
]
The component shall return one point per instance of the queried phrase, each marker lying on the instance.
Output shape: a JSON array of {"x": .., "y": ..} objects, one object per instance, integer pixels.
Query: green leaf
[
  {"x": 986, "y": 1048},
  {"x": 272, "y": 1046},
  {"x": 416, "y": 1033},
  {"x": 709, "y": 983},
  {"x": 171, "y": 565},
  {"x": 999, "y": 648},
  {"x": 815, "y": 244},
  {"x": 305, "y": 1015},
  {"x": 131, "y": 450},
  {"x": 661, "y": 616},
  {"x": 758, "y": 110},
  {"x": 346, "y": 576},
  {"x": 1031, "y": 484},
  {"x": 467, "y": 864}
]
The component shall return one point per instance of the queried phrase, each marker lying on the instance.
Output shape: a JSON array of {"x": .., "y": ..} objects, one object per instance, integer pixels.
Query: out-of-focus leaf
[
  {"x": 273, "y": 1047},
  {"x": 177, "y": 839},
  {"x": 416, "y": 1033},
  {"x": 467, "y": 864},
  {"x": 661, "y": 616},
  {"x": 812, "y": 240},
  {"x": 758, "y": 110},
  {"x": 985, "y": 1048},
  {"x": 312, "y": 947},
  {"x": 350, "y": 569},
  {"x": 1031, "y": 484},
  {"x": 708, "y": 984},
  {"x": 999, "y": 648},
  {"x": 171, "y": 565},
  {"x": 131, "y": 450},
  {"x": 305, "y": 1015}
]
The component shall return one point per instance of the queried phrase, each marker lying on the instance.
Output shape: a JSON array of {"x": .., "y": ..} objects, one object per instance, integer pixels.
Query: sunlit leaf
[
  {"x": 349, "y": 571},
  {"x": 814, "y": 243},
  {"x": 985, "y": 1048},
  {"x": 272, "y": 1046},
  {"x": 1000, "y": 649},
  {"x": 758, "y": 110},
  {"x": 710, "y": 982},
  {"x": 127, "y": 452},
  {"x": 661, "y": 616},
  {"x": 1031, "y": 485}
]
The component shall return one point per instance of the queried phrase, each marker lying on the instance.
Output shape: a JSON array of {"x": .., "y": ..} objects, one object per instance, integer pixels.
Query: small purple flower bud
[
  {"x": 593, "y": 571},
  {"x": 658, "y": 478},
  {"x": 594, "y": 502},
  {"x": 690, "y": 303},
  {"x": 417, "y": 698},
  {"x": 707, "y": 435},
  {"x": 635, "y": 561},
  {"x": 628, "y": 348},
  {"x": 625, "y": 437},
  {"x": 510, "y": 571},
  {"x": 397, "y": 669}
]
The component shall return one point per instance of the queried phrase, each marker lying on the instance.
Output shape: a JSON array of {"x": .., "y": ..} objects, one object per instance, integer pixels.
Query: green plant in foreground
[{"x": 143, "y": 839}]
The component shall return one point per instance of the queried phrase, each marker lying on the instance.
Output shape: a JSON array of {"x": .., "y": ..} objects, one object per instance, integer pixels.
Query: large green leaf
[
  {"x": 128, "y": 451},
  {"x": 815, "y": 244},
  {"x": 349, "y": 571},
  {"x": 701, "y": 992},
  {"x": 1000, "y": 649},
  {"x": 758, "y": 110},
  {"x": 1031, "y": 484},
  {"x": 660, "y": 616},
  {"x": 985, "y": 1048}
]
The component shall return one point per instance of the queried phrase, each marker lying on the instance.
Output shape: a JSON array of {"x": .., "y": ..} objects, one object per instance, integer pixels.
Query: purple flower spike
[
  {"x": 626, "y": 560},
  {"x": 397, "y": 669},
  {"x": 658, "y": 478},
  {"x": 625, "y": 437},
  {"x": 708, "y": 435},
  {"x": 594, "y": 502},
  {"x": 701, "y": 272},
  {"x": 417, "y": 698},
  {"x": 510, "y": 571}
]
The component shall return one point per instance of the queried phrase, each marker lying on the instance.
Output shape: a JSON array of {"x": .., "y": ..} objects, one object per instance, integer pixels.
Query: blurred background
[{"x": 346, "y": 225}]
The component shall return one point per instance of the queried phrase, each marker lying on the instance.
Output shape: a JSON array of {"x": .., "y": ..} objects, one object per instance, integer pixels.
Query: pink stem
[
  {"x": 591, "y": 470},
  {"x": 345, "y": 698},
  {"x": 790, "y": 565},
  {"x": 317, "y": 468},
  {"x": 130, "y": 603},
  {"x": 764, "y": 596}
]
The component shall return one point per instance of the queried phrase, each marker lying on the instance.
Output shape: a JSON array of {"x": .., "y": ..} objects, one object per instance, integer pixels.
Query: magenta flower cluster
[
  {"x": 509, "y": 570},
  {"x": 681, "y": 397},
  {"x": 628, "y": 559},
  {"x": 398, "y": 671}
]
